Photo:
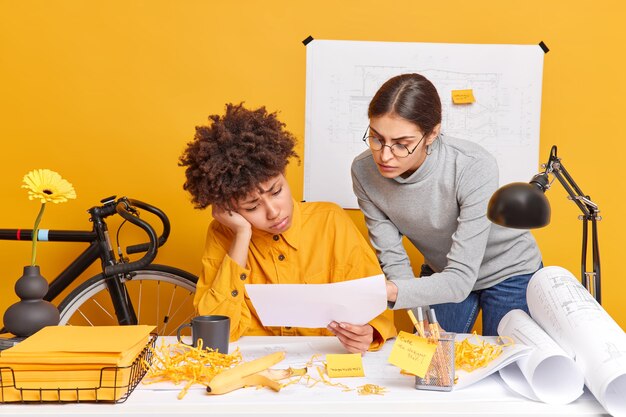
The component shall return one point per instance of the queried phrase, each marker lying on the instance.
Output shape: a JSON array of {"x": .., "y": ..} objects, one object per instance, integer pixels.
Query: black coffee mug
[{"x": 213, "y": 330}]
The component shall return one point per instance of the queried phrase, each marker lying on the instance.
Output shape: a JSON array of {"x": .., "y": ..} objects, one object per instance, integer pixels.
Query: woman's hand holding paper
[{"x": 355, "y": 338}]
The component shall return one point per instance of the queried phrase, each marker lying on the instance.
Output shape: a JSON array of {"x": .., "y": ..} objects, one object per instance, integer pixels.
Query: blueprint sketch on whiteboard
[{"x": 342, "y": 77}]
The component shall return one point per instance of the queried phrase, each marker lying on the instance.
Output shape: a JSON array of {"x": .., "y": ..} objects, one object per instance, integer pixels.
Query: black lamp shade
[{"x": 519, "y": 205}]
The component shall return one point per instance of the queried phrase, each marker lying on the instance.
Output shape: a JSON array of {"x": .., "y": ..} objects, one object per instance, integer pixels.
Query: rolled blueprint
[
  {"x": 548, "y": 373},
  {"x": 575, "y": 320}
]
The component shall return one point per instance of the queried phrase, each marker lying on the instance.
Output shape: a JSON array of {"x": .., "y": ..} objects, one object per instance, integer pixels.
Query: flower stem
[{"x": 35, "y": 230}]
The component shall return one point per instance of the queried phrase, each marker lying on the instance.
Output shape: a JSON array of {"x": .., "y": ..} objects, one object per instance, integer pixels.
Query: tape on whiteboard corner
[
  {"x": 307, "y": 40},
  {"x": 544, "y": 47}
]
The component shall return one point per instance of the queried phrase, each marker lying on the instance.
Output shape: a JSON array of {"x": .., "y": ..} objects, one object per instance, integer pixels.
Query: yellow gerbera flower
[{"x": 48, "y": 186}]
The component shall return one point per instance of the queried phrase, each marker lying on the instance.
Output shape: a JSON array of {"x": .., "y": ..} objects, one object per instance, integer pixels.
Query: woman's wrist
[
  {"x": 392, "y": 291},
  {"x": 244, "y": 232},
  {"x": 239, "y": 247}
]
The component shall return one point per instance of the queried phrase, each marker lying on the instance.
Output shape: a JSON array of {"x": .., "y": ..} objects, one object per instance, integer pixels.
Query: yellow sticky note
[
  {"x": 343, "y": 365},
  {"x": 463, "y": 96},
  {"x": 412, "y": 353}
]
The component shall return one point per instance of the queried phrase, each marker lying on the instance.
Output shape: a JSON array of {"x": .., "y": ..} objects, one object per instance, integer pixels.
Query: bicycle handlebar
[
  {"x": 122, "y": 207},
  {"x": 143, "y": 247}
]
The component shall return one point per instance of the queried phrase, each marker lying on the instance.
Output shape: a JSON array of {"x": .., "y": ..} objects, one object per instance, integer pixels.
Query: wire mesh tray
[
  {"x": 440, "y": 373},
  {"x": 115, "y": 384}
]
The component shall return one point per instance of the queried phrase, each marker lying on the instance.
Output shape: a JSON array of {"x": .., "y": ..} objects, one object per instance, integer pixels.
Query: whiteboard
[{"x": 343, "y": 76}]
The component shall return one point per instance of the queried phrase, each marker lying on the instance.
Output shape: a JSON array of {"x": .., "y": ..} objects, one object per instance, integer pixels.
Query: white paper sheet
[
  {"x": 575, "y": 320},
  {"x": 316, "y": 305},
  {"x": 547, "y": 374},
  {"x": 509, "y": 355}
]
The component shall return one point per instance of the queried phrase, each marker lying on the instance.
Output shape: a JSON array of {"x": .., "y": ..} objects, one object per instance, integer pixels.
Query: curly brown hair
[{"x": 230, "y": 157}]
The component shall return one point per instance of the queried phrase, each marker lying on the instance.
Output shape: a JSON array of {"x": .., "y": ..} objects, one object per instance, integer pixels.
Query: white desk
[{"x": 488, "y": 397}]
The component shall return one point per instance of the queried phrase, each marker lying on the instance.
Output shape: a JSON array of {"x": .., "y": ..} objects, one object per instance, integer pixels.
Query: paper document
[
  {"x": 509, "y": 355},
  {"x": 568, "y": 313},
  {"x": 548, "y": 374},
  {"x": 316, "y": 305},
  {"x": 73, "y": 364}
]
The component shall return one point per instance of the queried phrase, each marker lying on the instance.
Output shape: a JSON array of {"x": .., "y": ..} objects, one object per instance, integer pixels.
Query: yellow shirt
[{"x": 322, "y": 246}]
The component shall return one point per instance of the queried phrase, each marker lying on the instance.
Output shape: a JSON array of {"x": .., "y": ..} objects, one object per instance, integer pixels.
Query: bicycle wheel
[{"x": 161, "y": 295}]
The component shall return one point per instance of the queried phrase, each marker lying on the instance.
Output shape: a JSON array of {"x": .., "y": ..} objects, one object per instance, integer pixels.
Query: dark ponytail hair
[{"x": 410, "y": 96}]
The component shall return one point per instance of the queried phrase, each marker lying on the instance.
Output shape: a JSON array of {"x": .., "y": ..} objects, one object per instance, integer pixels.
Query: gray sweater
[{"x": 441, "y": 208}]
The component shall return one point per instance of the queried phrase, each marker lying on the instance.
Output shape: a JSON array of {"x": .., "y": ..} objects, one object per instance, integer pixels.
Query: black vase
[{"x": 32, "y": 313}]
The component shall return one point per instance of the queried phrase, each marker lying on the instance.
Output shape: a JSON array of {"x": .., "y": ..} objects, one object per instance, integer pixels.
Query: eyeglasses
[{"x": 397, "y": 149}]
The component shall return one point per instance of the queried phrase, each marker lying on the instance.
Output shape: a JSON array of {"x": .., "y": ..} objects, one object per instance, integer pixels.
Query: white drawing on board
[{"x": 342, "y": 77}]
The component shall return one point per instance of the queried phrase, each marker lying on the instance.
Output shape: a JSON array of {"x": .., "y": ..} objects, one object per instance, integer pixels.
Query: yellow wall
[{"x": 108, "y": 94}]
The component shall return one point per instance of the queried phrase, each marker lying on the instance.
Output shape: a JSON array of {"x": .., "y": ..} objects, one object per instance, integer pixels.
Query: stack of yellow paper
[{"x": 72, "y": 363}]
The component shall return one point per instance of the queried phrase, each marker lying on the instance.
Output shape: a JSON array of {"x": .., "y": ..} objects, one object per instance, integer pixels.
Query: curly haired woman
[{"x": 260, "y": 235}]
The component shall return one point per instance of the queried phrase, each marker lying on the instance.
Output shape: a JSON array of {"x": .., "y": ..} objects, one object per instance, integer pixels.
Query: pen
[
  {"x": 433, "y": 325},
  {"x": 417, "y": 324},
  {"x": 420, "y": 318}
]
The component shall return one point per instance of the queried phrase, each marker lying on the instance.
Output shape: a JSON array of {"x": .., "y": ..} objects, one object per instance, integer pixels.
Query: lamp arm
[
  {"x": 584, "y": 203},
  {"x": 595, "y": 251},
  {"x": 590, "y": 280}
]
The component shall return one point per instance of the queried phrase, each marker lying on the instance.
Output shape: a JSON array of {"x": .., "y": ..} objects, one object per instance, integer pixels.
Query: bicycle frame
[
  {"x": 100, "y": 248},
  {"x": 76, "y": 268}
]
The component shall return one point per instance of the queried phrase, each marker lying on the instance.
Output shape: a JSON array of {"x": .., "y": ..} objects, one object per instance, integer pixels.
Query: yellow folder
[{"x": 70, "y": 363}]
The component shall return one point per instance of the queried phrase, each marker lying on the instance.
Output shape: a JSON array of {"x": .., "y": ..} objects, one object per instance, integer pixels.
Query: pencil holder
[{"x": 440, "y": 373}]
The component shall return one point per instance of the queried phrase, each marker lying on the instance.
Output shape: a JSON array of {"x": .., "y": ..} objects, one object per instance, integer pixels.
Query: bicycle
[{"x": 125, "y": 292}]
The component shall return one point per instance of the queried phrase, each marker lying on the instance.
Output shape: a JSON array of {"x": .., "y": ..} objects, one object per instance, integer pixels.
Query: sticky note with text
[
  {"x": 463, "y": 96},
  {"x": 412, "y": 353},
  {"x": 344, "y": 365}
]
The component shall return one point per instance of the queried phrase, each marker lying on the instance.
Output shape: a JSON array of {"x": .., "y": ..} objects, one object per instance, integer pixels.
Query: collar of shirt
[
  {"x": 292, "y": 236},
  {"x": 429, "y": 165}
]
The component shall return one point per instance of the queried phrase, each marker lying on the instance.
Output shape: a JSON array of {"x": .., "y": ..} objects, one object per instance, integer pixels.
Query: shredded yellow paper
[
  {"x": 310, "y": 381},
  {"x": 181, "y": 363},
  {"x": 193, "y": 365},
  {"x": 371, "y": 389},
  {"x": 470, "y": 356},
  {"x": 324, "y": 379}
]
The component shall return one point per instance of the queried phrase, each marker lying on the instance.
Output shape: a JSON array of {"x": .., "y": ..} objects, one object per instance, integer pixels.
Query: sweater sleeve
[
  {"x": 476, "y": 184},
  {"x": 361, "y": 262},
  {"x": 384, "y": 235},
  {"x": 220, "y": 288}
]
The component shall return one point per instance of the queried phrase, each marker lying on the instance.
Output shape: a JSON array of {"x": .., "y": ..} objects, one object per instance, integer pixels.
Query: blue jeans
[{"x": 495, "y": 302}]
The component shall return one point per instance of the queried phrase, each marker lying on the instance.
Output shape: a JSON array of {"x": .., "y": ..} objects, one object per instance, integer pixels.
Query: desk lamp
[{"x": 523, "y": 205}]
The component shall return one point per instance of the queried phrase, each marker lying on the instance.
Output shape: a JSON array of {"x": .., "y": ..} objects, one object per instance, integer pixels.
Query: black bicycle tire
[{"x": 86, "y": 286}]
